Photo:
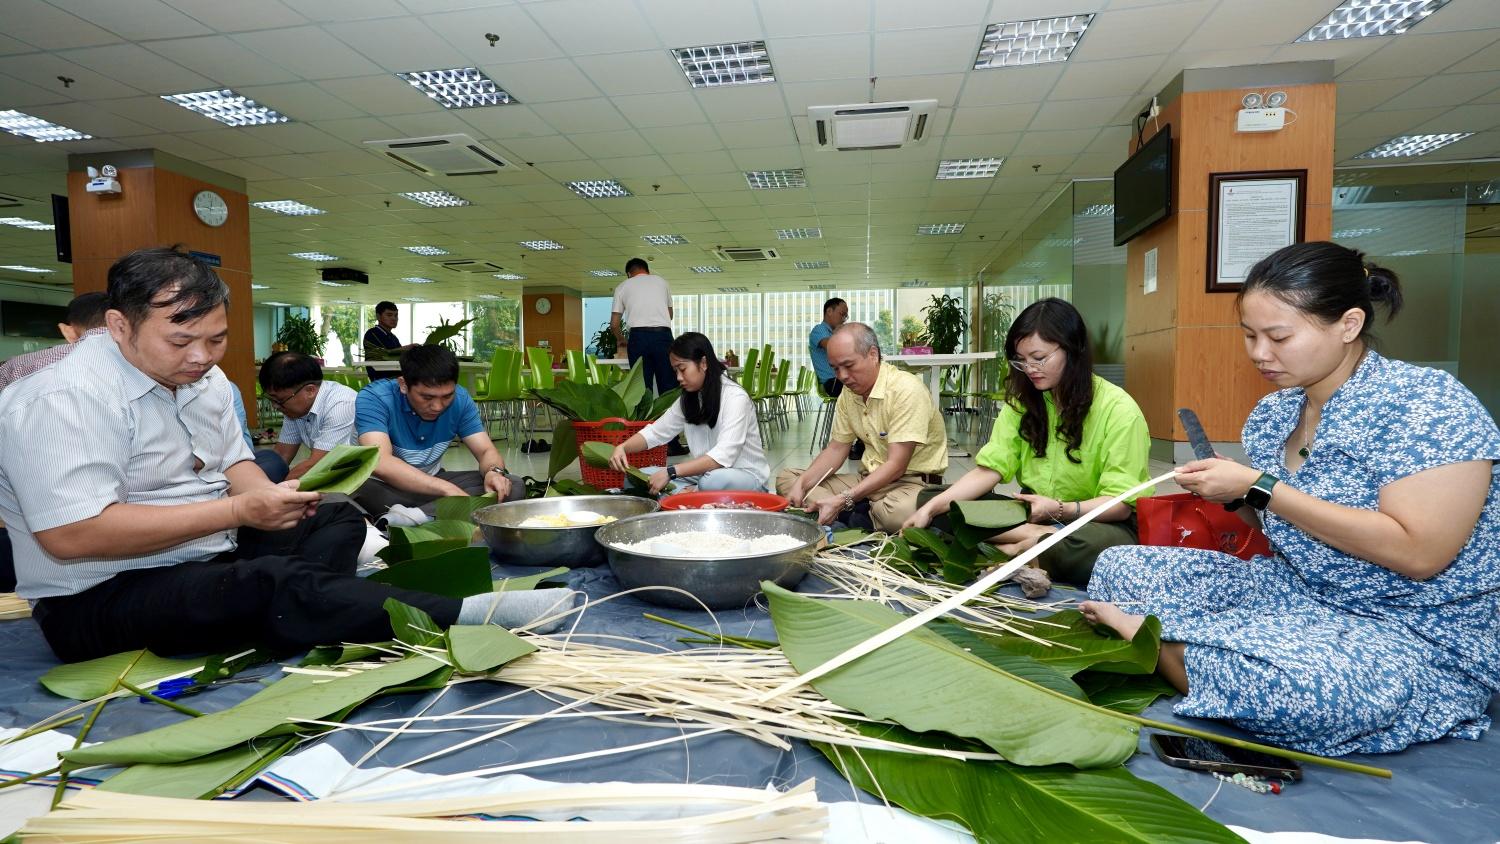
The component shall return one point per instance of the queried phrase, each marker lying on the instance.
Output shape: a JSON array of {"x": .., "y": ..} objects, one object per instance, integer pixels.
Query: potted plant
[
  {"x": 604, "y": 342},
  {"x": 731, "y": 358},
  {"x": 298, "y": 334},
  {"x": 627, "y": 404},
  {"x": 447, "y": 334},
  {"x": 944, "y": 320}
]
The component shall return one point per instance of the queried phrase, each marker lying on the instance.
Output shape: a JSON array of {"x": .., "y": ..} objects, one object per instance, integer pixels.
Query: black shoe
[{"x": 675, "y": 448}]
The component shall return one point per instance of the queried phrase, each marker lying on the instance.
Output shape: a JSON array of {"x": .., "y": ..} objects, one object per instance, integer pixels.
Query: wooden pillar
[
  {"x": 561, "y": 326},
  {"x": 155, "y": 208},
  {"x": 1183, "y": 345}
]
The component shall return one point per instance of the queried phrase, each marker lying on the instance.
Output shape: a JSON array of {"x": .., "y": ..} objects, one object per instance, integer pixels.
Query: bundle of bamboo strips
[
  {"x": 13, "y": 606},
  {"x": 728, "y": 816}
]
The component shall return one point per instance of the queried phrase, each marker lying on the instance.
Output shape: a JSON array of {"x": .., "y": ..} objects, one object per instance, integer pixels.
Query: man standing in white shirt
[{"x": 644, "y": 302}]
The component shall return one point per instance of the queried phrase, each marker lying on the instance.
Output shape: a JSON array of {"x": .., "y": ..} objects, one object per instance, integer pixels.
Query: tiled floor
[{"x": 788, "y": 448}]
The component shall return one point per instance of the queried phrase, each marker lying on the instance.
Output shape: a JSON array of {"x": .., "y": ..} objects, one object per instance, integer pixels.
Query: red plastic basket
[{"x": 613, "y": 431}]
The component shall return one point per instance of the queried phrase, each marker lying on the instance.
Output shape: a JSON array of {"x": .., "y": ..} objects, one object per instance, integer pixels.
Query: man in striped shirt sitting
[{"x": 412, "y": 419}]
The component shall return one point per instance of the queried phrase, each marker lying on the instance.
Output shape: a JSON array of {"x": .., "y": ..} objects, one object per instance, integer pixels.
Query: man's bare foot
[
  {"x": 1022, "y": 538},
  {"x": 1111, "y": 616}
]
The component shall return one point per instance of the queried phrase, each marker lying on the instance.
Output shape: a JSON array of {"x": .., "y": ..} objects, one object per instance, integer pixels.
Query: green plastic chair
[
  {"x": 748, "y": 371},
  {"x": 822, "y": 427},
  {"x": 539, "y": 366},
  {"x": 578, "y": 369},
  {"x": 502, "y": 389}
]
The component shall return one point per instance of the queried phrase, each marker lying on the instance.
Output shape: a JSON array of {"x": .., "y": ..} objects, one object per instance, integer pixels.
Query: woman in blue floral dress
[{"x": 1376, "y": 624}]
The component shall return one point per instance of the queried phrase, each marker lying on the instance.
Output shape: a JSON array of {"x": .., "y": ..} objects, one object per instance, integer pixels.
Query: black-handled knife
[{"x": 1202, "y": 448}]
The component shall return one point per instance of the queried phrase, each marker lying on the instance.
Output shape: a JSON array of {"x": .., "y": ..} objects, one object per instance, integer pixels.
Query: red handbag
[{"x": 1186, "y": 521}]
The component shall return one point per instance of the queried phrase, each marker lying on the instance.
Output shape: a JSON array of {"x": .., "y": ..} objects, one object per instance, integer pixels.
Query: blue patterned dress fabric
[{"x": 1315, "y": 649}]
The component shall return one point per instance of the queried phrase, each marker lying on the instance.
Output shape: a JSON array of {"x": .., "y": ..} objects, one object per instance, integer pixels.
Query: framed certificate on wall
[{"x": 1251, "y": 215}]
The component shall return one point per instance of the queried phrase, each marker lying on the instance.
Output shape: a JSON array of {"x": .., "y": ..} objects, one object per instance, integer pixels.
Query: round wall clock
[
  {"x": 543, "y": 305},
  {"x": 210, "y": 208}
]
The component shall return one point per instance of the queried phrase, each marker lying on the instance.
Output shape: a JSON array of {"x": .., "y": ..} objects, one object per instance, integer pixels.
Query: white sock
[
  {"x": 374, "y": 542},
  {"x": 518, "y": 609},
  {"x": 402, "y": 516}
]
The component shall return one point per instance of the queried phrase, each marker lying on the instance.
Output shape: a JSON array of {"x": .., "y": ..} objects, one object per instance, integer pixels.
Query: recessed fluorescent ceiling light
[
  {"x": 776, "y": 179},
  {"x": 315, "y": 256},
  {"x": 603, "y": 273},
  {"x": 913, "y": 283},
  {"x": 509, "y": 277},
  {"x": 289, "y": 207},
  {"x": 260, "y": 287},
  {"x": 598, "y": 188},
  {"x": 940, "y": 228},
  {"x": 1345, "y": 234},
  {"x": 22, "y": 268},
  {"x": 708, "y": 269},
  {"x": 333, "y": 284},
  {"x": 412, "y": 299},
  {"x": 734, "y": 290},
  {"x": 811, "y": 265},
  {"x": 541, "y": 245},
  {"x": 820, "y": 287},
  {"x": 713, "y": 65},
  {"x": 19, "y": 123},
  {"x": 425, "y": 250},
  {"x": 1037, "y": 41},
  {"x": 664, "y": 239},
  {"x": 227, "y": 107},
  {"x": 1098, "y": 211},
  {"x": 969, "y": 168},
  {"x": 799, "y": 234},
  {"x": 23, "y": 223},
  {"x": 436, "y": 198},
  {"x": 1410, "y": 146},
  {"x": 278, "y": 304},
  {"x": 1408, "y": 252},
  {"x": 459, "y": 87},
  {"x": 416, "y": 279},
  {"x": 1364, "y": 18},
  {"x": 490, "y": 296}
]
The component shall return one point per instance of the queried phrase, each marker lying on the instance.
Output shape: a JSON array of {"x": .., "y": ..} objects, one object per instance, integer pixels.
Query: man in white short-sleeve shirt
[
  {"x": 318, "y": 414},
  {"x": 643, "y": 301}
]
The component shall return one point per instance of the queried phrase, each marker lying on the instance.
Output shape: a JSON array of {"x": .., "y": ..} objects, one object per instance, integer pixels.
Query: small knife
[{"x": 1202, "y": 448}]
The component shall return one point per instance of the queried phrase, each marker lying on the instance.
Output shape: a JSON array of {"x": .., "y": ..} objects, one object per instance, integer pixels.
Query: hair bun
[{"x": 1384, "y": 288}]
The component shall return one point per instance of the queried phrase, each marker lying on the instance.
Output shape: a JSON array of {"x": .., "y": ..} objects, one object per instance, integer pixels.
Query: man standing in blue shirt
[
  {"x": 382, "y": 336},
  {"x": 412, "y": 419},
  {"x": 835, "y": 313}
]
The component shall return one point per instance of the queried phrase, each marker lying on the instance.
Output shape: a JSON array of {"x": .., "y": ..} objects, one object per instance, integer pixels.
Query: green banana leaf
[
  {"x": 655, "y": 407},
  {"x": 267, "y": 711},
  {"x": 460, "y": 508},
  {"x": 972, "y": 522},
  {"x": 478, "y": 648},
  {"x": 850, "y": 536},
  {"x": 957, "y": 562},
  {"x": 457, "y": 574},
  {"x": 1130, "y": 693},
  {"x": 205, "y": 777},
  {"x": 551, "y": 577},
  {"x": 411, "y": 625},
  {"x": 343, "y": 470},
  {"x": 583, "y": 402},
  {"x": 564, "y": 450},
  {"x": 1020, "y": 666},
  {"x": 404, "y": 552},
  {"x": 339, "y": 654},
  {"x": 925, "y": 682},
  {"x": 632, "y": 387},
  {"x": 598, "y": 454},
  {"x": 1001, "y": 803},
  {"x": 427, "y": 540},
  {"x": 96, "y": 677},
  {"x": 445, "y": 331},
  {"x": 1082, "y": 645},
  {"x": 568, "y": 486}
]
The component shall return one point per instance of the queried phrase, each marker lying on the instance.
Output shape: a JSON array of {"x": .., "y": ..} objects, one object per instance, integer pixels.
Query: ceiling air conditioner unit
[
  {"x": 872, "y": 125},
  {"x": 443, "y": 155},
  {"x": 745, "y": 253},
  {"x": 466, "y": 265}
]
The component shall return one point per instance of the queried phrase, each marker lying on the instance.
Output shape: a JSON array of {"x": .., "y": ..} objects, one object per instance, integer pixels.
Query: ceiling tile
[
  {"x": 1003, "y": 85},
  {"x": 750, "y": 134},
  {"x": 751, "y": 102},
  {"x": 221, "y": 59},
  {"x": 801, "y": 95},
  {"x": 1447, "y": 89},
  {"x": 43, "y": 70},
  {"x": 585, "y": 27},
  {"x": 918, "y": 14},
  {"x": 915, "y": 52},
  {"x": 1476, "y": 117},
  {"x": 1415, "y": 54},
  {"x": 90, "y": 120},
  {"x": 356, "y": 130},
  {"x": 1117, "y": 78},
  {"x": 989, "y": 145},
  {"x": 695, "y": 163},
  {"x": 238, "y": 17},
  {"x": 975, "y": 121},
  {"x": 17, "y": 94},
  {"x": 397, "y": 44},
  {"x": 300, "y": 138},
  {"x": 941, "y": 87},
  {"x": 546, "y": 80},
  {"x": 137, "y": 20},
  {"x": 309, "y": 52},
  {"x": 826, "y": 17},
  {"x": 682, "y": 23},
  {"x": 1074, "y": 114},
  {"x": 49, "y": 28},
  {"x": 547, "y": 148},
  {"x": 1262, "y": 23},
  {"x": 648, "y": 110},
  {"x": 511, "y": 121},
  {"x": 595, "y": 115},
  {"x": 640, "y": 170},
  {"x": 1388, "y": 123},
  {"x": 382, "y": 95},
  {"x": 347, "y": 10},
  {"x": 520, "y": 37},
  {"x": 1140, "y": 32},
  {"x": 244, "y": 142},
  {"x": 621, "y": 142},
  {"x": 675, "y": 139},
  {"x": 301, "y": 101},
  {"x": 823, "y": 57},
  {"x": 651, "y": 72},
  {"x": 1486, "y": 59}
]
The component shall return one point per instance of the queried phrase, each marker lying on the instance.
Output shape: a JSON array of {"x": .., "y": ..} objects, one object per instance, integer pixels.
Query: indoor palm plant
[
  {"x": 604, "y": 342},
  {"x": 299, "y": 335},
  {"x": 944, "y": 321}
]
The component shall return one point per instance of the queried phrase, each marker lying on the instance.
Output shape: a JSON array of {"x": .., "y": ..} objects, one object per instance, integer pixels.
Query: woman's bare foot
[{"x": 1111, "y": 616}]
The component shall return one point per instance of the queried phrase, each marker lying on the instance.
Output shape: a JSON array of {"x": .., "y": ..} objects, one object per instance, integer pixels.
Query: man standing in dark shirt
[{"x": 382, "y": 336}]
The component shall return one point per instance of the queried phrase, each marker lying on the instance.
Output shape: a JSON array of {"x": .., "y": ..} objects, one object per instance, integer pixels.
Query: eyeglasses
[
  {"x": 280, "y": 404},
  {"x": 1024, "y": 366}
]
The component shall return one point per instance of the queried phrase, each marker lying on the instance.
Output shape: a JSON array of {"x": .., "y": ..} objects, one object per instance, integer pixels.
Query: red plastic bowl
[{"x": 695, "y": 500}]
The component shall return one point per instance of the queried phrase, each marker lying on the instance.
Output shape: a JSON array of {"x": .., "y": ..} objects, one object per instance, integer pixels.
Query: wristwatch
[
  {"x": 1259, "y": 493},
  {"x": 499, "y": 469},
  {"x": 671, "y": 473}
]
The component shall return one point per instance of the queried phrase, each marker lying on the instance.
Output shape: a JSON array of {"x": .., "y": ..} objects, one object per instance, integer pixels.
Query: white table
[
  {"x": 468, "y": 370},
  {"x": 934, "y": 365}
]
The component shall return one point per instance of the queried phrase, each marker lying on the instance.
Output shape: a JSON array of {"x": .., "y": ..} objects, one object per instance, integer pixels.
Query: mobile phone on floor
[{"x": 1204, "y": 755}]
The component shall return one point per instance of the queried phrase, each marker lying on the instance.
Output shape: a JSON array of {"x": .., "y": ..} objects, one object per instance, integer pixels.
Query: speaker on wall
[{"x": 62, "y": 234}]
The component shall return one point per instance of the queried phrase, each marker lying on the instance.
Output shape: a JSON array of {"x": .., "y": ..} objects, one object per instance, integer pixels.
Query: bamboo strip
[{"x": 13, "y": 606}]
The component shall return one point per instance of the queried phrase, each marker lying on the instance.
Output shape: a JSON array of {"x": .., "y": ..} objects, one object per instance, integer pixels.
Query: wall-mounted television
[
  {"x": 1143, "y": 187},
  {"x": 28, "y": 319}
]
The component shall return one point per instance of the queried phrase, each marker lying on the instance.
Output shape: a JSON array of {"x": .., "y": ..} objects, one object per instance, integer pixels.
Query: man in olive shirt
[{"x": 892, "y": 412}]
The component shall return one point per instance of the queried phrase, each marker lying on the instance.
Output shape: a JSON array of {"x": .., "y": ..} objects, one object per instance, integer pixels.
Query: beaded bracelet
[{"x": 1259, "y": 785}]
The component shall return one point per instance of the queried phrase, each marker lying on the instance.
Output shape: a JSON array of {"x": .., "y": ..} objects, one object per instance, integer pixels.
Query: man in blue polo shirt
[{"x": 412, "y": 419}]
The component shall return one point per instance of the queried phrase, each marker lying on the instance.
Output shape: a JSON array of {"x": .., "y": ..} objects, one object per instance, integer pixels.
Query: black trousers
[
  {"x": 282, "y": 590},
  {"x": 375, "y": 496},
  {"x": 652, "y": 343}
]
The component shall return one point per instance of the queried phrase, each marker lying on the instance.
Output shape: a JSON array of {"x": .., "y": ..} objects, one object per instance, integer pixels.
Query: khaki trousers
[{"x": 889, "y": 507}]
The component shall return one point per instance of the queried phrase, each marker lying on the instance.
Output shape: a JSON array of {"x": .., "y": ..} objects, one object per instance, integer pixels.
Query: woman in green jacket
[{"x": 1070, "y": 439}]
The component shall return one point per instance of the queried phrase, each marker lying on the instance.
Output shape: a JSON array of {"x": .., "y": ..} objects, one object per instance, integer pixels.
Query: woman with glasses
[
  {"x": 1070, "y": 439},
  {"x": 1373, "y": 626}
]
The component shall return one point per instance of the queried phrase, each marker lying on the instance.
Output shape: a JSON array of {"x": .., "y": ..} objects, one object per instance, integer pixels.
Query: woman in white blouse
[{"x": 719, "y": 417}]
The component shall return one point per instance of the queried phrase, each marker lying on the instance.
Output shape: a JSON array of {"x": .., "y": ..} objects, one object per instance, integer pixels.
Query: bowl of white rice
[
  {"x": 716, "y": 557},
  {"x": 556, "y": 531}
]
